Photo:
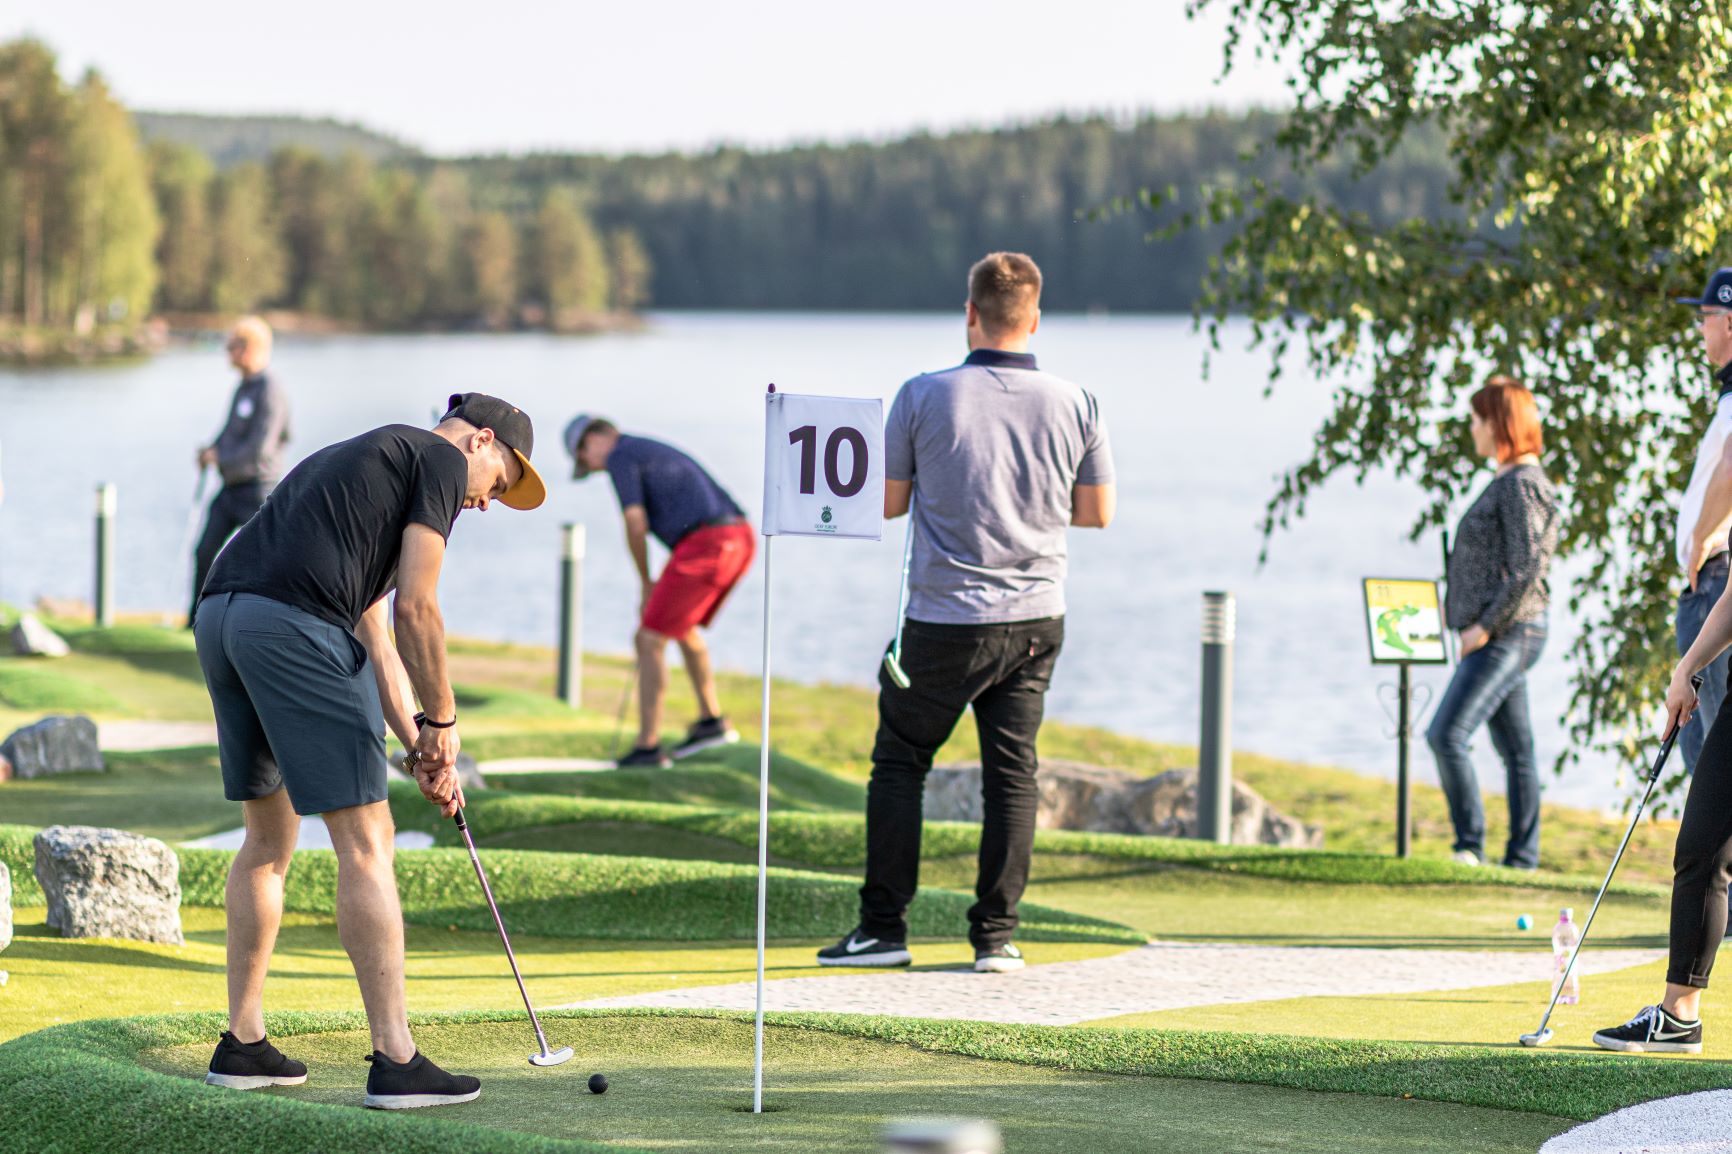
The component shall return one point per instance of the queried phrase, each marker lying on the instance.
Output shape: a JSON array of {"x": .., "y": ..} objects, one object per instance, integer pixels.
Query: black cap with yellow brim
[{"x": 512, "y": 428}]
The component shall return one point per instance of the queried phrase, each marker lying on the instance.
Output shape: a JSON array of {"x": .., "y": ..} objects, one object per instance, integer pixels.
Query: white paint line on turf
[
  {"x": 1159, "y": 976},
  {"x": 1687, "y": 1124}
]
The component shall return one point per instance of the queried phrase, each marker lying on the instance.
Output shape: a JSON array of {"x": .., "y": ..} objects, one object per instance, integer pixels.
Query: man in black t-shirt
[{"x": 296, "y": 644}]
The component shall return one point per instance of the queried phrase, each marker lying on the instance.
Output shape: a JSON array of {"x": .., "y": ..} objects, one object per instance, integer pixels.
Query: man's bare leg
[
  {"x": 1682, "y": 1002},
  {"x": 652, "y": 684},
  {"x": 254, "y": 900},
  {"x": 696, "y": 652},
  {"x": 370, "y": 920}
]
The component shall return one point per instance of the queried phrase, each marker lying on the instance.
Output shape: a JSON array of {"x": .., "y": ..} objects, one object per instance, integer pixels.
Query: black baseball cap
[
  {"x": 1717, "y": 295},
  {"x": 512, "y": 428}
]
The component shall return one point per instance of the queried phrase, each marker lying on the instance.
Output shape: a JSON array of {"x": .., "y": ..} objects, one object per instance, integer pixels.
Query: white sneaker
[
  {"x": 1465, "y": 857},
  {"x": 1000, "y": 961}
]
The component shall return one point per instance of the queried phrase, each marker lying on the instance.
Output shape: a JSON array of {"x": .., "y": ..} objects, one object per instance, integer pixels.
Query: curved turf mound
[
  {"x": 680, "y": 1081},
  {"x": 573, "y": 895}
]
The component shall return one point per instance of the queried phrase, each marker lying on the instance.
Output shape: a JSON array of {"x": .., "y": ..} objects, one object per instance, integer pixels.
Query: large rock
[
  {"x": 1101, "y": 800},
  {"x": 31, "y": 638},
  {"x": 468, "y": 771},
  {"x": 54, "y": 745},
  {"x": 108, "y": 883},
  {"x": 5, "y": 906}
]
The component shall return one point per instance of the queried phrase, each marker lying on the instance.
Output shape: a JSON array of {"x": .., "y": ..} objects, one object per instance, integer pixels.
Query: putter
[
  {"x": 189, "y": 537},
  {"x": 546, "y": 1057},
  {"x": 624, "y": 707},
  {"x": 1544, "y": 1034},
  {"x": 893, "y": 659}
]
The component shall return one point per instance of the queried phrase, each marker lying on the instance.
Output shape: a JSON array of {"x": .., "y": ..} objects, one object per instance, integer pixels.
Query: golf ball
[
  {"x": 598, "y": 1083},
  {"x": 1524, "y": 923}
]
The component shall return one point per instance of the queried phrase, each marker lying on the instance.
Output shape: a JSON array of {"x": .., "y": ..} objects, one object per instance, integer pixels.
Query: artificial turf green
[
  {"x": 680, "y": 1082},
  {"x": 585, "y": 896}
]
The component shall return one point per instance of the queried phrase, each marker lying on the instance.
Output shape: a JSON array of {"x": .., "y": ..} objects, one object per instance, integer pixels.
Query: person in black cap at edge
[
  {"x": 1702, "y": 858},
  {"x": 295, "y": 640}
]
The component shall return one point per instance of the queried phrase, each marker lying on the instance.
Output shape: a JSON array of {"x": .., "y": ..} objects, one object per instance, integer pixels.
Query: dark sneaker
[
  {"x": 706, "y": 734},
  {"x": 1653, "y": 1031},
  {"x": 415, "y": 1083},
  {"x": 252, "y": 1066},
  {"x": 651, "y": 758},
  {"x": 859, "y": 950},
  {"x": 998, "y": 960}
]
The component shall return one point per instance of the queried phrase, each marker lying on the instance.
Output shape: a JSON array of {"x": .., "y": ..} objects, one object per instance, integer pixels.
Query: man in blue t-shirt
[
  {"x": 997, "y": 460},
  {"x": 664, "y": 492}
]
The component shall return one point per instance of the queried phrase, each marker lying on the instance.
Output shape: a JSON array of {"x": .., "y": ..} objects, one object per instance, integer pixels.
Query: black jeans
[
  {"x": 1002, "y": 671},
  {"x": 1702, "y": 862},
  {"x": 232, "y": 507}
]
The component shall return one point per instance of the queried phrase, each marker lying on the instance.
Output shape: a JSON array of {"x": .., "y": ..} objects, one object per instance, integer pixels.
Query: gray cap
[{"x": 573, "y": 437}]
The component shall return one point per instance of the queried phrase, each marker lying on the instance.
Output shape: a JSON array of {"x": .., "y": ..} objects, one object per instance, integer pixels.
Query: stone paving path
[
  {"x": 1158, "y": 976},
  {"x": 1688, "y": 1124},
  {"x": 136, "y": 736}
]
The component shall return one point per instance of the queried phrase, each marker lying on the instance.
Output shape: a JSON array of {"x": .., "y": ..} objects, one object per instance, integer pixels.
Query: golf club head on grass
[
  {"x": 563, "y": 1054},
  {"x": 1538, "y": 1039},
  {"x": 894, "y": 668}
]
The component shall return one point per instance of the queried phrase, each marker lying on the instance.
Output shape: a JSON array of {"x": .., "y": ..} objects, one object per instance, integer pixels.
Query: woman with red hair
[{"x": 1498, "y": 599}]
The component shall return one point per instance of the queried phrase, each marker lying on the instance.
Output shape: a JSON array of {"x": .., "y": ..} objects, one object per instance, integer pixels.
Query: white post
[{"x": 763, "y": 842}]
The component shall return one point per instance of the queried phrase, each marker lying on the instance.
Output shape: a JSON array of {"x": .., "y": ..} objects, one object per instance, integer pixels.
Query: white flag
[{"x": 824, "y": 466}]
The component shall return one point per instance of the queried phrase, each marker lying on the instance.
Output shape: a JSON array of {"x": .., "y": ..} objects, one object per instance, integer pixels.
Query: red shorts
[{"x": 704, "y": 568}]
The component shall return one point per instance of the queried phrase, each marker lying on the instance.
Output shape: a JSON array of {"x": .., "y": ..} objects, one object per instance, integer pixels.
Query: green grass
[
  {"x": 585, "y": 896},
  {"x": 34, "y": 685},
  {"x": 679, "y": 1082}
]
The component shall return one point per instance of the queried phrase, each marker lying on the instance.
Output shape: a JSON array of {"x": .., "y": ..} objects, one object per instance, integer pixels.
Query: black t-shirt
[{"x": 329, "y": 538}]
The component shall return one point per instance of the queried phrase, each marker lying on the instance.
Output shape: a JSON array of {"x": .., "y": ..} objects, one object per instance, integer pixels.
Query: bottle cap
[{"x": 1567, "y": 915}]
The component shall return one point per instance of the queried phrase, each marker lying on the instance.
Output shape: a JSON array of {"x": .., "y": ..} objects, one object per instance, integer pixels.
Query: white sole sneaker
[
  {"x": 1624, "y": 1047},
  {"x": 998, "y": 965},
  {"x": 416, "y": 1101},
  {"x": 885, "y": 960},
  {"x": 250, "y": 1081},
  {"x": 696, "y": 747}
]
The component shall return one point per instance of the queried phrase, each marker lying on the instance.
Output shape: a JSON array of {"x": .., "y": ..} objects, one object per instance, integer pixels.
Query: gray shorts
[{"x": 296, "y": 704}]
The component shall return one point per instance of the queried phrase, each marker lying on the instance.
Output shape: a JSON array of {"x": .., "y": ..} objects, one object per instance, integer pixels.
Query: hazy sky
[{"x": 513, "y": 75}]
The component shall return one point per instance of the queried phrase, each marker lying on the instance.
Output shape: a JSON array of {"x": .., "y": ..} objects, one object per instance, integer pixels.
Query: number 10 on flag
[
  {"x": 823, "y": 477},
  {"x": 823, "y": 466}
]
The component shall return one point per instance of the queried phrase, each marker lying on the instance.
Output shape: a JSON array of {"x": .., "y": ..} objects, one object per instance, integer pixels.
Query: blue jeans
[
  {"x": 1692, "y": 612},
  {"x": 1490, "y": 688}
]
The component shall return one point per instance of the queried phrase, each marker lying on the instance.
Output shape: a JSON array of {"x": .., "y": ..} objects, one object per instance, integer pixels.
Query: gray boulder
[
  {"x": 31, "y": 638},
  {"x": 5, "y": 906},
  {"x": 108, "y": 883},
  {"x": 54, "y": 745},
  {"x": 468, "y": 771},
  {"x": 1101, "y": 800}
]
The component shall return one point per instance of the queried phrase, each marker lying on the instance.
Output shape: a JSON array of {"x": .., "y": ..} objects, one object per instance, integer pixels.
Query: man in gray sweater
[{"x": 248, "y": 453}]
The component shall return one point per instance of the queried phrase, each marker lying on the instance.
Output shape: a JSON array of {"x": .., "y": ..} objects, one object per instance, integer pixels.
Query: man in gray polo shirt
[{"x": 996, "y": 459}]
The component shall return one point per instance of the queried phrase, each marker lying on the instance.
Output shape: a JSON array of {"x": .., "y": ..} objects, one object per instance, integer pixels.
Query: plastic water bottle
[{"x": 1565, "y": 935}]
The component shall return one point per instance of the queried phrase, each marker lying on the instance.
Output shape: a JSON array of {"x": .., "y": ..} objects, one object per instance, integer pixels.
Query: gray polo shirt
[
  {"x": 994, "y": 447},
  {"x": 252, "y": 444}
]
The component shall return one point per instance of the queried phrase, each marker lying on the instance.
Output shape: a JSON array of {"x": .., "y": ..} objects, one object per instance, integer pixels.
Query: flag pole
[{"x": 763, "y": 822}]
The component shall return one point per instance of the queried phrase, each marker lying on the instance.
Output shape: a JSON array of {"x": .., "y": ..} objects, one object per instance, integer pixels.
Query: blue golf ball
[{"x": 1524, "y": 923}]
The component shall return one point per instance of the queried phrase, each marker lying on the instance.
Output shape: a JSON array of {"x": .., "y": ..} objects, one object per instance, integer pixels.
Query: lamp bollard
[
  {"x": 106, "y": 502},
  {"x": 1215, "y": 743},
  {"x": 571, "y": 616}
]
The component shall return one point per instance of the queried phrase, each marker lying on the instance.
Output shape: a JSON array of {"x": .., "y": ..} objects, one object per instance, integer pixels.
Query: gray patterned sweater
[{"x": 1503, "y": 550}]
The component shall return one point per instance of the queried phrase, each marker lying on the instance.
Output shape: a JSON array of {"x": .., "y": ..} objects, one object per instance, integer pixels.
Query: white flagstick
[{"x": 763, "y": 842}]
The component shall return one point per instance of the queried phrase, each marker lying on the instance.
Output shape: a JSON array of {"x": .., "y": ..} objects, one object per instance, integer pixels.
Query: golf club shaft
[
  {"x": 475, "y": 859},
  {"x": 902, "y": 589},
  {"x": 1582, "y": 938}
]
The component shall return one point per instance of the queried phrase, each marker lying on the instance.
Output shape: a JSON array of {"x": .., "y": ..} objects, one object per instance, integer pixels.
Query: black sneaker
[
  {"x": 1653, "y": 1031},
  {"x": 998, "y": 960},
  {"x": 252, "y": 1066},
  {"x": 859, "y": 950},
  {"x": 415, "y": 1083},
  {"x": 651, "y": 758},
  {"x": 706, "y": 734}
]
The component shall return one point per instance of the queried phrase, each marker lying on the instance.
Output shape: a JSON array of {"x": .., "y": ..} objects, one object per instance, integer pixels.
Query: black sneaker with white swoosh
[
  {"x": 857, "y": 949},
  {"x": 1653, "y": 1031}
]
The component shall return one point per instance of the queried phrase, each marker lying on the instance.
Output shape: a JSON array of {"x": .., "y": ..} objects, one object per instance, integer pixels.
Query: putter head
[
  {"x": 1539, "y": 1039},
  {"x": 894, "y": 668},
  {"x": 563, "y": 1054}
]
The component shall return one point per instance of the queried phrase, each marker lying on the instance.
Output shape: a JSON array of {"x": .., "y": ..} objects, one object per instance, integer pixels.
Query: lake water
[{"x": 1196, "y": 461}]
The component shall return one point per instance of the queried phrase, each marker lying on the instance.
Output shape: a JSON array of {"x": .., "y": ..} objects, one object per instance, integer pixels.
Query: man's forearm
[
  {"x": 637, "y": 542},
  {"x": 1716, "y": 508},
  {"x": 421, "y": 644}
]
